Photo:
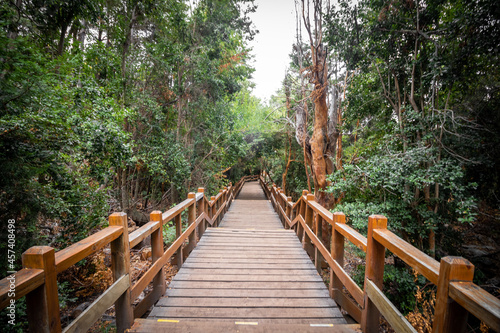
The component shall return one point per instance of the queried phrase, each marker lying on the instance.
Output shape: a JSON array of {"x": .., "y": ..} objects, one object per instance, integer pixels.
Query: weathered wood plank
[
  {"x": 257, "y": 302},
  {"x": 88, "y": 317},
  {"x": 477, "y": 301},
  {"x": 26, "y": 280},
  {"x": 398, "y": 322},
  {"x": 72, "y": 254},
  {"x": 140, "y": 234},
  {"x": 285, "y": 326},
  {"x": 425, "y": 265},
  {"x": 243, "y": 313},
  {"x": 248, "y": 293},
  {"x": 248, "y": 284}
]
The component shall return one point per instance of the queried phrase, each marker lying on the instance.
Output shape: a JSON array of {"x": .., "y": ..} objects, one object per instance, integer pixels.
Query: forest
[{"x": 387, "y": 107}]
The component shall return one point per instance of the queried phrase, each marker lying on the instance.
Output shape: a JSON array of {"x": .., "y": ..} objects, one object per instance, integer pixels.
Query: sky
[{"x": 275, "y": 20}]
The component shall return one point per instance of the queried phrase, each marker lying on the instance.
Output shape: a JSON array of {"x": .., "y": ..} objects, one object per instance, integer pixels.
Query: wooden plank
[
  {"x": 144, "y": 305},
  {"x": 256, "y": 302},
  {"x": 325, "y": 213},
  {"x": 348, "y": 305},
  {"x": 140, "y": 234},
  {"x": 261, "y": 278},
  {"x": 477, "y": 301},
  {"x": 424, "y": 264},
  {"x": 248, "y": 293},
  {"x": 176, "y": 210},
  {"x": 243, "y": 313},
  {"x": 248, "y": 261},
  {"x": 95, "y": 311},
  {"x": 262, "y": 325},
  {"x": 82, "y": 249},
  {"x": 248, "y": 284},
  {"x": 397, "y": 321},
  {"x": 352, "y": 235},
  {"x": 244, "y": 271},
  {"x": 248, "y": 266},
  {"x": 26, "y": 280}
]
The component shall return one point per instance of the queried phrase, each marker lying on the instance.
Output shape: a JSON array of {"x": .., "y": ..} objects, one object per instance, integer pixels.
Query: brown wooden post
[
  {"x": 224, "y": 196},
  {"x": 220, "y": 202},
  {"x": 213, "y": 210},
  {"x": 191, "y": 220},
  {"x": 288, "y": 211},
  {"x": 337, "y": 251},
  {"x": 374, "y": 270},
  {"x": 318, "y": 258},
  {"x": 120, "y": 266},
  {"x": 202, "y": 209},
  {"x": 301, "y": 210},
  {"x": 43, "y": 302},
  {"x": 178, "y": 233},
  {"x": 156, "y": 253},
  {"x": 308, "y": 217},
  {"x": 450, "y": 316}
]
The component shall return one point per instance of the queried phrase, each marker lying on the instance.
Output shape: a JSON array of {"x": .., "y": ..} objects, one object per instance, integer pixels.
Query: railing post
[
  {"x": 308, "y": 218},
  {"x": 288, "y": 211},
  {"x": 224, "y": 196},
  {"x": 374, "y": 270},
  {"x": 156, "y": 253},
  {"x": 318, "y": 221},
  {"x": 43, "y": 302},
  {"x": 337, "y": 251},
  {"x": 120, "y": 266},
  {"x": 301, "y": 210},
  {"x": 178, "y": 232},
  {"x": 449, "y": 315},
  {"x": 203, "y": 224},
  {"x": 191, "y": 220},
  {"x": 212, "y": 213}
]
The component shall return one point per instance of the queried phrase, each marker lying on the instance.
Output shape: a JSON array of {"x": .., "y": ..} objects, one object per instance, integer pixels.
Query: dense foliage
[{"x": 116, "y": 105}]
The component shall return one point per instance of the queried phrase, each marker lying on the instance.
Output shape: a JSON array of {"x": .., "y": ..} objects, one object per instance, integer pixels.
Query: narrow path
[{"x": 248, "y": 272}]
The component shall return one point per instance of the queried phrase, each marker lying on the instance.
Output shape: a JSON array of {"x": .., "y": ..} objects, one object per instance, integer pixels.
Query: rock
[
  {"x": 145, "y": 253},
  {"x": 139, "y": 217},
  {"x": 79, "y": 309}
]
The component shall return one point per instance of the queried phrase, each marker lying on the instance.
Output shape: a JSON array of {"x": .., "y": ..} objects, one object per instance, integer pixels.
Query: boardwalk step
[{"x": 177, "y": 326}]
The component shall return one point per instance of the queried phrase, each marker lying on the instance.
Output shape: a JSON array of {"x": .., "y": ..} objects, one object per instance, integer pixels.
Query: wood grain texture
[
  {"x": 250, "y": 268},
  {"x": 82, "y": 249},
  {"x": 26, "y": 280},
  {"x": 397, "y": 321},
  {"x": 88, "y": 317}
]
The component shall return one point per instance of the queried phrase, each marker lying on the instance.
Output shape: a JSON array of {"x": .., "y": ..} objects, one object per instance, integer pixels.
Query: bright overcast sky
[{"x": 275, "y": 20}]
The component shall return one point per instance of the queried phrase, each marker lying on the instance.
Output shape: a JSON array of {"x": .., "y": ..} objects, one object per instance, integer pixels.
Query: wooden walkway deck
[{"x": 248, "y": 274}]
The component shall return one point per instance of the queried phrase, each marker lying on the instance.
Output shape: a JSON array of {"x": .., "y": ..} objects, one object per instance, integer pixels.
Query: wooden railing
[
  {"x": 37, "y": 281},
  {"x": 456, "y": 295}
]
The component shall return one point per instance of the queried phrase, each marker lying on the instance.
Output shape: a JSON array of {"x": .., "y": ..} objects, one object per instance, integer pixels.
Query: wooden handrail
[
  {"x": 371, "y": 301},
  {"x": 42, "y": 264}
]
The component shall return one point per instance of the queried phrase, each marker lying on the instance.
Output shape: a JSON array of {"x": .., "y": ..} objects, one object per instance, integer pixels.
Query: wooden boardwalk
[{"x": 248, "y": 273}]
